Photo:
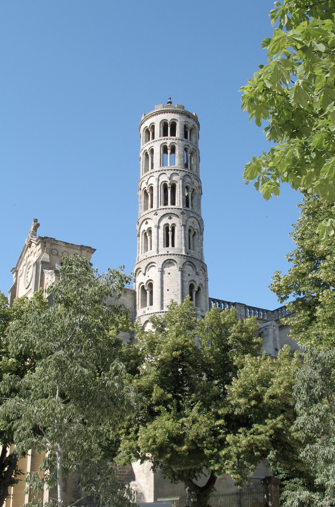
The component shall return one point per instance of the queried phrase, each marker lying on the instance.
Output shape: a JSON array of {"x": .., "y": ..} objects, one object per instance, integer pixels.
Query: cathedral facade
[{"x": 169, "y": 266}]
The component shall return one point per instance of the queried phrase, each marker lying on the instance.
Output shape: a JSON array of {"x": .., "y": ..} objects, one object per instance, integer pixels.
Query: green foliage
[
  {"x": 18, "y": 365},
  {"x": 311, "y": 279},
  {"x": 200, "y": 381},
  {"x": 295, "y": 93},
  {"x": 315, "y": 406},
  {"x": 72, "y": 398},
  {"x": 262, "y": 395}
]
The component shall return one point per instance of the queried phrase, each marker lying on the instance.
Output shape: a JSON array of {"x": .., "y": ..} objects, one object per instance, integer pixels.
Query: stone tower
[{"x": 170, "y": 262}]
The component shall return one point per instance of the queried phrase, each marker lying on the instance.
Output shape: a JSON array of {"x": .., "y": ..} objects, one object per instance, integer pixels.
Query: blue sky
[{"x": 76, "y": 77}]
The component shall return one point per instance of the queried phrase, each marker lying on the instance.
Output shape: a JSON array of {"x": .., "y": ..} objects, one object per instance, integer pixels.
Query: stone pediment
[{"x": 40, "y": 260}]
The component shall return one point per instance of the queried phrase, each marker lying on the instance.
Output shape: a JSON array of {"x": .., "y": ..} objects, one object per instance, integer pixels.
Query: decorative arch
[
  {"x": 166, "y": 217},
  {"x": 169, "y": 263},
  {"x": 191, "y": 264},
  {"x": 148, "y": 267}
]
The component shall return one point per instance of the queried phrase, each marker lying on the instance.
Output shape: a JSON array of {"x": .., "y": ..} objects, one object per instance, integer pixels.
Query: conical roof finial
[{"x": 169, "y": 102}]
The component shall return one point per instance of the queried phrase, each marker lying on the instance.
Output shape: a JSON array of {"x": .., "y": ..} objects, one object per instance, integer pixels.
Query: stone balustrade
[{"x": 244, "y": 311}]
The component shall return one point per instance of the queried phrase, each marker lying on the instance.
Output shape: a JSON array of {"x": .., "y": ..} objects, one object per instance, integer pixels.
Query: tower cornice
[{"x": 169, "y": 109}]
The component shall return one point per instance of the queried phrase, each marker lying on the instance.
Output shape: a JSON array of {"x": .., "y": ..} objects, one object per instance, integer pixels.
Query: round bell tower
[{"x": 170, "y": 262}]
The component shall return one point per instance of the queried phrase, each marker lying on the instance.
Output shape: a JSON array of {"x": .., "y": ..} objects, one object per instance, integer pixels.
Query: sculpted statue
[{"x": 32, "y": 231}]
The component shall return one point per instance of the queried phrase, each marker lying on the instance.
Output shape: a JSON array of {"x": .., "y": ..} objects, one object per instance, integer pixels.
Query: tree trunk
[
  {"x": 8, "y": 466},
  {"x": 201, "y": 494},
  {"x": 59, "y": 465}
]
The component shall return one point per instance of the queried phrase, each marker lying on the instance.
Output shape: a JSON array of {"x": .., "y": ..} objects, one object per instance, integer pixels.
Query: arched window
[
  {"x": 166, "y": 236},
  {"x": 173, "y": 129},
  {"x": 143, "y": 297},
  {"x": 165, "y": 195},
  {"x": 192, "y": 161},
  {"x": 192, "y": 135},
  {"x": 191, "y": 291},
  {"x": 186, "y": 132},
  {"x": 149, "y": 236},
  {"x": 146, "y": 162},
  {"x": 165, "y": 129},
  {"x": 173, "y": 194},
  {"x": 173, "y": 155},
  {"x": 144, "y": 242},
  {"x": 152, "y": 159},
  {"x": 152, "y": 131},
  {"x": 197, "y": 301},
  {"x": 187, "y": 197},
  {"x": 150, "y": 294},
  {"x": 185, "y": 159},
  {"x": 151, "y": 197},
  {"x": 145, "y": 200},
  {"x": 147, "y": 135},
  {"x": 165, "y": 156},
  {"x": 173, "y": 235}
]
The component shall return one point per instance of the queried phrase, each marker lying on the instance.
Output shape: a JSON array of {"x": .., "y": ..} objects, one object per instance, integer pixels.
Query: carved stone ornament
[
  {"x": 49, "y": 278},
  {"x": 32, "y": 235},
  {"x": 28, "y": 274}
]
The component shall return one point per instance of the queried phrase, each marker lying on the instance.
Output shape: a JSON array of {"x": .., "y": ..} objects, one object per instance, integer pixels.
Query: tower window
[
  {"x": 186, "y": 132},
  {"x": 150, "y": 296},
  {"x": 145, "y": 200},
  {"x": 192, "y": 161},
  {"x": 165, "y": 129},
  {"x": 165, "y": 195},
  {"x": 149, "y": 236},
  {"x": 173, "y": 194},
  {"x": 151, "y": 197},
  {"x": 173, "y": 235},
  {"x": 143, "y": 297},
  {"x": 173, "y": 129},
  {"x": 191, "y": 291},
  {"x": 146, "y": 135},
  {"x": 145, "y": 242},
  {"x": 185, "y": 159},
  {"x": 173, "y": 155},
  {"x": 151, "y": 159},
  {"x": 146, "y": 162},
  {"x": 165, "y": 156},
  {"x": 192, "y": 135},
  {"x": 187, "y": 197},
  {"x": 152, "y": 130},
  {"x": 197, "y": 301},
  {"x": 166, "y": 236}
]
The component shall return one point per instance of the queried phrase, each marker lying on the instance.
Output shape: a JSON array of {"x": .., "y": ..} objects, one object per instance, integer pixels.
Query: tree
[
  {"x": 314, "y": 393},
  {"x": 311, "y": 279},
  {"x": 18, "y": 366},
  {"x": 69, "y": 406},
  {"x": 186, "y": 371},
  {"x": 295, "y": 93}
]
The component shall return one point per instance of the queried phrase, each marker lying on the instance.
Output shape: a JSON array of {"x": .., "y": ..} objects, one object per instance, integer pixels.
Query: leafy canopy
[
  {"x": 195, "y": 414},
  {"x": 19, "y": 365},
  {"x": 314, "y": 393},
  {"x": 295, "y": 93},
  {"x": 311, "y": 279},
  {"x": 70, "y": 404}
]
